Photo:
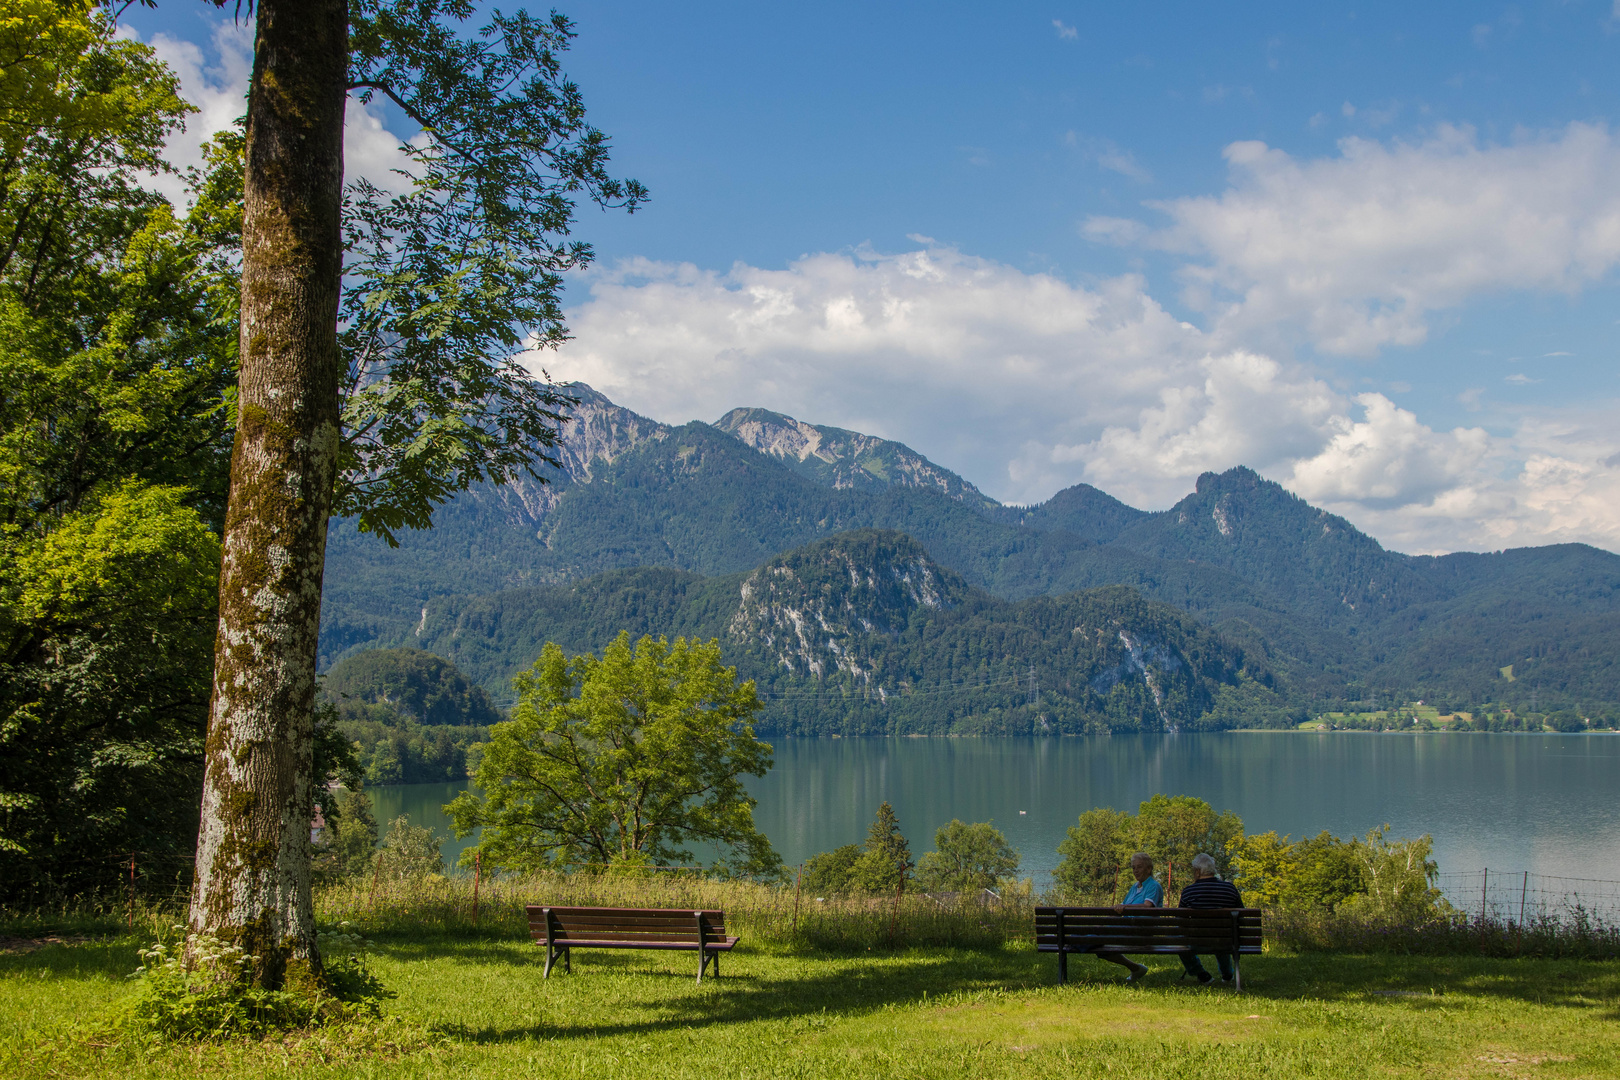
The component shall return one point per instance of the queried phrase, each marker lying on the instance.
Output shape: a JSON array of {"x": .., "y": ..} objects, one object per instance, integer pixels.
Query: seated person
[
  {"x": 1208, "y": 891},
  {"x": 1146, "y": 893}
]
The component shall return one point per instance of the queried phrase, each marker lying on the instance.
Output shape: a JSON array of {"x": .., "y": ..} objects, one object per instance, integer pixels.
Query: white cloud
[
  {"x": 216, "y": 83},
  {"x": 1025, "y": 384},
  {"x": 1388, "y": 459},
  {"x": 1070, "y": 32},
  {"x": 1358, "y": 250},
  {"x": 958, "y": 356}
]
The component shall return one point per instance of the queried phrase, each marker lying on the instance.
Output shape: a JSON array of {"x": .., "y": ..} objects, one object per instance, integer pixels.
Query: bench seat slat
[
  {"x": 651, "y": 925},
  {"x": 725, "y": 945}
]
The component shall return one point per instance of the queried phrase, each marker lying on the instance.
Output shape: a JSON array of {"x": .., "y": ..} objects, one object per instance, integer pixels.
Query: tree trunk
[{"x": 252, "y": 885}]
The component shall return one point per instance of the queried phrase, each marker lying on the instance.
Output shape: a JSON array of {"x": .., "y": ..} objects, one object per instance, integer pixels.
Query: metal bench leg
[
  {"x": 1237, "y": 972},
  {"x": 703, "y": 962},
  {"x": 1063, "y": 967}
]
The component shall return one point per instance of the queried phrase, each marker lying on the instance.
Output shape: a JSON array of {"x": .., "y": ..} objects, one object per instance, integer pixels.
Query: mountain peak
[
  {"x": 1238, "y": 478},
  {"x": 839, "y": 458}
]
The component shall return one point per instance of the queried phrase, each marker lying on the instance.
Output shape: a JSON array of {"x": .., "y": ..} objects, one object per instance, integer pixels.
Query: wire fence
[{"x": 1520, "y": 896}]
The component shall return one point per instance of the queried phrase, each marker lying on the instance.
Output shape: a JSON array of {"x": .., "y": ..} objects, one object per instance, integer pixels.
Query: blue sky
[{"x": 1369, "y": 250}]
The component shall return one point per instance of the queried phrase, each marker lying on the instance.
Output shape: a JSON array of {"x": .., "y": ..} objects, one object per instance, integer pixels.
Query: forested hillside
[
  {"x": 865, "y": 634},
  {"x": 1327, "y": 610}
]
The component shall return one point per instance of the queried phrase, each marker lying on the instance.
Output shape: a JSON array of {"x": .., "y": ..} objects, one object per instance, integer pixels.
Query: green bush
[
  {"x": 195, "y": 990},
  {"x": 967, "y": 858}
]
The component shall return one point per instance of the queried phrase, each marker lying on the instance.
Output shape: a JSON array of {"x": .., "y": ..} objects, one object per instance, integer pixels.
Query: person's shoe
[
  {"x": 1205, "y": 978},
  {"x": 1226, "y": 979},
  {"x": 1138, "y": 973}
]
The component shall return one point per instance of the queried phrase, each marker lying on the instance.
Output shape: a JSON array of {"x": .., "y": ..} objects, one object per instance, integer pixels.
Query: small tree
[
  {"x": 967, "y": 857},
  {"x": 623, "y": 759},
  {"x": 410, "y": 851},
  {"x": 1399, "y": 876},
  {"x": 356, "y": 834},
  {"x": 1094, "y": 852},
  {"x": 1174, "y": 828},
  {"x": 886, "y": 864},
  {"x": 830, "y": 871}
]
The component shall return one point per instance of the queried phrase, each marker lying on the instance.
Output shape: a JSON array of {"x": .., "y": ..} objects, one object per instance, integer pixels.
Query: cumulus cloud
[
  {"x": 951, "y": 353},
  {"x": 215, "y": 81},
  {"x": 1358, "y": 250},
  {"x": 1026, "y": 383}
]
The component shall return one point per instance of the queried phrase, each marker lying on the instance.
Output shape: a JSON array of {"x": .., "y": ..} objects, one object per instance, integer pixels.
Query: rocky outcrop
[
  {"x": 825, "y": 608},
  {"x": 845, "y": 459}
]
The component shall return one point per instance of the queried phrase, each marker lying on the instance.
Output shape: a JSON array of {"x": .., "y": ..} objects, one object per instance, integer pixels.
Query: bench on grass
[
  {"x": 1066, "y": 930},
  {"x": 563, "y": 929}
]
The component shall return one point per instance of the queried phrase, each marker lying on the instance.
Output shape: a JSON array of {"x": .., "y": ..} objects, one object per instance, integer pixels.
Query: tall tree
[
  {"x": 117, "y": 348},
  {"x": 421, "y": 397},
  {"x": 253, "y": 877}
]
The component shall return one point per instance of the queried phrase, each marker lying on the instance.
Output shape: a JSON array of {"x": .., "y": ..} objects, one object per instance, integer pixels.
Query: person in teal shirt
[{"x": 1146, "y": 892}]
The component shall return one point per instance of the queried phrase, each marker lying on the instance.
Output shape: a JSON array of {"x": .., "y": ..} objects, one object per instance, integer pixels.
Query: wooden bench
[
  {"x": 563, "y": 929},
  {"x": 1093, "y": 930}
]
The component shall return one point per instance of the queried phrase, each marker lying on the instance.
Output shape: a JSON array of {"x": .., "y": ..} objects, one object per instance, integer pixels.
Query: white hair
[
  {"x": 1203, "y": 863},
  {"x": 1142, "y": 855}
]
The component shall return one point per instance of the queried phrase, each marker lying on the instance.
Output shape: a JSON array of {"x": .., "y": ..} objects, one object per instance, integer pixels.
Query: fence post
[
  {"x": 798, "y": 881},
  {"x": 478, "y": 872},
  {"x": 894, "y": 920},
  {"x": 1484, "y": 886},
  {"x": 1524, "y": 891},
  {"x": 376, "y": 871},
  {"x": 132, "y": 890}
]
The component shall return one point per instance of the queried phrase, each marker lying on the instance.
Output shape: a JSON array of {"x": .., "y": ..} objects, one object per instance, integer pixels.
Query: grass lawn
[{"x": 919, "y": 1013}]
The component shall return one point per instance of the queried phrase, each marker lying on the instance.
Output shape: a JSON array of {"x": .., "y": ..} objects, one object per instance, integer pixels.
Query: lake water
[{"x": 1541, "y": 803}]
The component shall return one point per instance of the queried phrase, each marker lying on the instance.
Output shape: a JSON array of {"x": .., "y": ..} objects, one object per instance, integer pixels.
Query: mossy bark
[{"x": 252, "y": 884}]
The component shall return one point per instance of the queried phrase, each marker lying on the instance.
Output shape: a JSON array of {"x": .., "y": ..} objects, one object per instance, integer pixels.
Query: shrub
[
  {"x": 966, "y": 858},
  {"x": 195, "y": 989}
]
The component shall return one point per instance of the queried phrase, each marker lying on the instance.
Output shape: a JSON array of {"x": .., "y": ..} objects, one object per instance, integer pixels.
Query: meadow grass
[{"x": 473, "y": 1003}]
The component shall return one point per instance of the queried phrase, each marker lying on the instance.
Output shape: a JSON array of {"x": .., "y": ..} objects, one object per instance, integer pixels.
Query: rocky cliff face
[
  {"x": 825, "y": 608},
  {"x": 597, "y": 432},
  {"x": 845, "y": 459}
]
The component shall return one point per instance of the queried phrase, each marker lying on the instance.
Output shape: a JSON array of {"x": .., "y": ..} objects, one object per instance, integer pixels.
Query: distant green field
[{"x": 916, "y": 1013}]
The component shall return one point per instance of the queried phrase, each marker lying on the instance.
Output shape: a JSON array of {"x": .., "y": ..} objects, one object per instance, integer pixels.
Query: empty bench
[
  {"x": 563, "y": 929},
  {"x": 1170, "y": 931}
]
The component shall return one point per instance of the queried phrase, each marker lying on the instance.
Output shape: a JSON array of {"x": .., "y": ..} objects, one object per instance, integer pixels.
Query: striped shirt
[{"x": 1211, "y": 893}]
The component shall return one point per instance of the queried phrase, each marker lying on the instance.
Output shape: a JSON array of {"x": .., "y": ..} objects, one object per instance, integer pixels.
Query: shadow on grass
[{"x": 627, "y": 993}]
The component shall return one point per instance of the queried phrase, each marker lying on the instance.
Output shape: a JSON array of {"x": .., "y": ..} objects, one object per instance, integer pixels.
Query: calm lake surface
[{"x": 1549, "y": 804}]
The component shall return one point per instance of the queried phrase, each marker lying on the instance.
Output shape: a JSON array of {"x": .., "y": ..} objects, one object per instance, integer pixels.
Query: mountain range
[{"x": 1241, "y": 597}]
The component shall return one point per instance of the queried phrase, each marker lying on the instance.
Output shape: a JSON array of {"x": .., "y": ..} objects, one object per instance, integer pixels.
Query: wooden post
[
  {"x": 478, "y": 872},
  {"x": 1169, "y": 878},
  {"x": 376, "y": 871},
  {"x": 1484, "y": 886},
  {"x": 132, "y": 890},
  {"x": 1524, "y": 891},
  {"x": 798, "y": 881},
  {"x": 894, "y": 919}
]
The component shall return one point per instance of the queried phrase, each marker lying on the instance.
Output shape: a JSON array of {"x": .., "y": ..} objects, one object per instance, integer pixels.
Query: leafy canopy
[
  {"x": 967, "y": 857},
  {"x": 622, "y": 759},
  {"x": 1170, "y": 828},
  {"x": 446, "y": 282}
]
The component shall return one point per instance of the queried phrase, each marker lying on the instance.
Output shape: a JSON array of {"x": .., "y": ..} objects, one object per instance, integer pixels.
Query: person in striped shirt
[{"x": 1208, "y": 891}]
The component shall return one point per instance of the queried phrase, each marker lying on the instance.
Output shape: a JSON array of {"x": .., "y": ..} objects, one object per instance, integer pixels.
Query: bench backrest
[
  {"x": 1204, "y": 930},
  {"x": 625, "y": 924}
]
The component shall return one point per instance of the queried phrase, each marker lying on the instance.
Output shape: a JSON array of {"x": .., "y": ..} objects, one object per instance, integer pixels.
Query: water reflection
[{"x": 1543, "y": 803}]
